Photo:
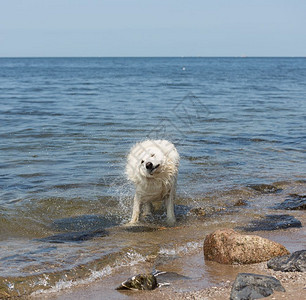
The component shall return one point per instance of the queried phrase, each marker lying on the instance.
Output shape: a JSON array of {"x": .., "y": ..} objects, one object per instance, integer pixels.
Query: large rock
[
  {"x": 227, "y": 246},
  {"x": 253, "y": 286},
  {"x": 296, "y": 262}
]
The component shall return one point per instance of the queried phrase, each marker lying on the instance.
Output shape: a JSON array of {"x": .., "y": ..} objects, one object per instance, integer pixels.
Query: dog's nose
[{"x": 149, "y": 165}]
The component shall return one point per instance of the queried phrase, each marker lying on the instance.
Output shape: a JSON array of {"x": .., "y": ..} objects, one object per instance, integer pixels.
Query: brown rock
[
  {"x": 198, "y": 211},
  {"x": 227, "y": 246},
  {"x": 240, "y": 202}
]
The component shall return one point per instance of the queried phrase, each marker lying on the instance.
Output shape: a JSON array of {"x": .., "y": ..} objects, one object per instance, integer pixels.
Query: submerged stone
[
  {"x": 85, "y": 222},
  {"x": 78, "y": 236},
  {"x": 265, "y": 188},
  {"x": 296, "y": 262},
  {"x": 273, "y": 222},
  {"x": 140, "y": 228},
  {"x": 139, "y": 282},
  {"x": 206, "y": 211},
  {"x": 294, "y": 202},
  {"x": 254, "y": 286},
  {"x": 181, "y": 211}
]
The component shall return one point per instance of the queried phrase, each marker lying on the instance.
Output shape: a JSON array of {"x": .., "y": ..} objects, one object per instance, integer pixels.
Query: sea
[{"x": 67, "y": 125}]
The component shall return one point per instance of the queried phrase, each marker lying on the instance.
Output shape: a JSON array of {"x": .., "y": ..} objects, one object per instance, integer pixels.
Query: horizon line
[{"x": 177, "y": 56}]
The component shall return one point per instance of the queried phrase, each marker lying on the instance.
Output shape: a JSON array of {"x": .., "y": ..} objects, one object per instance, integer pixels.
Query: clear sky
[{"x": 152, "y": 28}]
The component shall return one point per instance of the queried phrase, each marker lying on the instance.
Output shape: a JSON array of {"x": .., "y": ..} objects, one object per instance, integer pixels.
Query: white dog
[{"x": 152, "y": 166}]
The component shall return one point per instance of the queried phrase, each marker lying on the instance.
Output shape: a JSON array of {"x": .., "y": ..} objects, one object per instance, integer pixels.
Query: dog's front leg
[
  {"x": 136, "y": 210},
  {"x": 169, "y": 203}
]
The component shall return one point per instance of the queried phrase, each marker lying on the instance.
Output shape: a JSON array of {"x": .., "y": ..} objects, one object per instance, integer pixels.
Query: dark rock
[
  {"x": 265, "y": 188},
  {"x": 181, "y": 210},
  {"x": 294, "y": 202},
  {"x": 79, "y": 236},
  {"x": 85, "y": 222},
  {"x": 240, "y": 202},
  {"x": 252, "y": 286},
  {"x": 139, "y": 282},
  {"x": 227, "y": 246},
  {"x": 296, "y": 262},
  {"x": 150, "y": 281},
  {"x": 273, "y": 222}
]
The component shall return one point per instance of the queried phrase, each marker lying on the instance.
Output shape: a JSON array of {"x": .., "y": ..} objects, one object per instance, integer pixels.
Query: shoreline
[
  {"x": 194, "y": 288},
  {"x": 203, "y": 279}
]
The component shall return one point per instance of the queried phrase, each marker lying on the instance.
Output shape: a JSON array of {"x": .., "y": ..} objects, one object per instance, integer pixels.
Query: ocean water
[{"x": 67, "y": 124}]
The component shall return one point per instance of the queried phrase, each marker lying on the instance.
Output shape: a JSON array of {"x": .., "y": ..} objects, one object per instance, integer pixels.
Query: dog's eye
[
  {"x": 152, "y": 155},
  {"x": 142, "y": 161}
]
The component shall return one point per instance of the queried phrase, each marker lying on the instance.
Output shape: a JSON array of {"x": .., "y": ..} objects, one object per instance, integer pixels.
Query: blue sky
[{"x": 152, "y": 28}]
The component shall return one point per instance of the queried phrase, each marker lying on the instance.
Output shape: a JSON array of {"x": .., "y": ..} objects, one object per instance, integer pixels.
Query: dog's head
[
  {"x": 152, "y": 159},
  {"x": 151, "y": 162}
]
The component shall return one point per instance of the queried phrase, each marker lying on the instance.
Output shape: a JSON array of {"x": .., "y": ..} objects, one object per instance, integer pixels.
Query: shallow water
[{"x": 67, "y": 125}]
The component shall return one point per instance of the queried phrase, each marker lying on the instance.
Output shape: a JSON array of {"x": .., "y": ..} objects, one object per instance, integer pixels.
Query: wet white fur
[{"x": 156, "y": 184}]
